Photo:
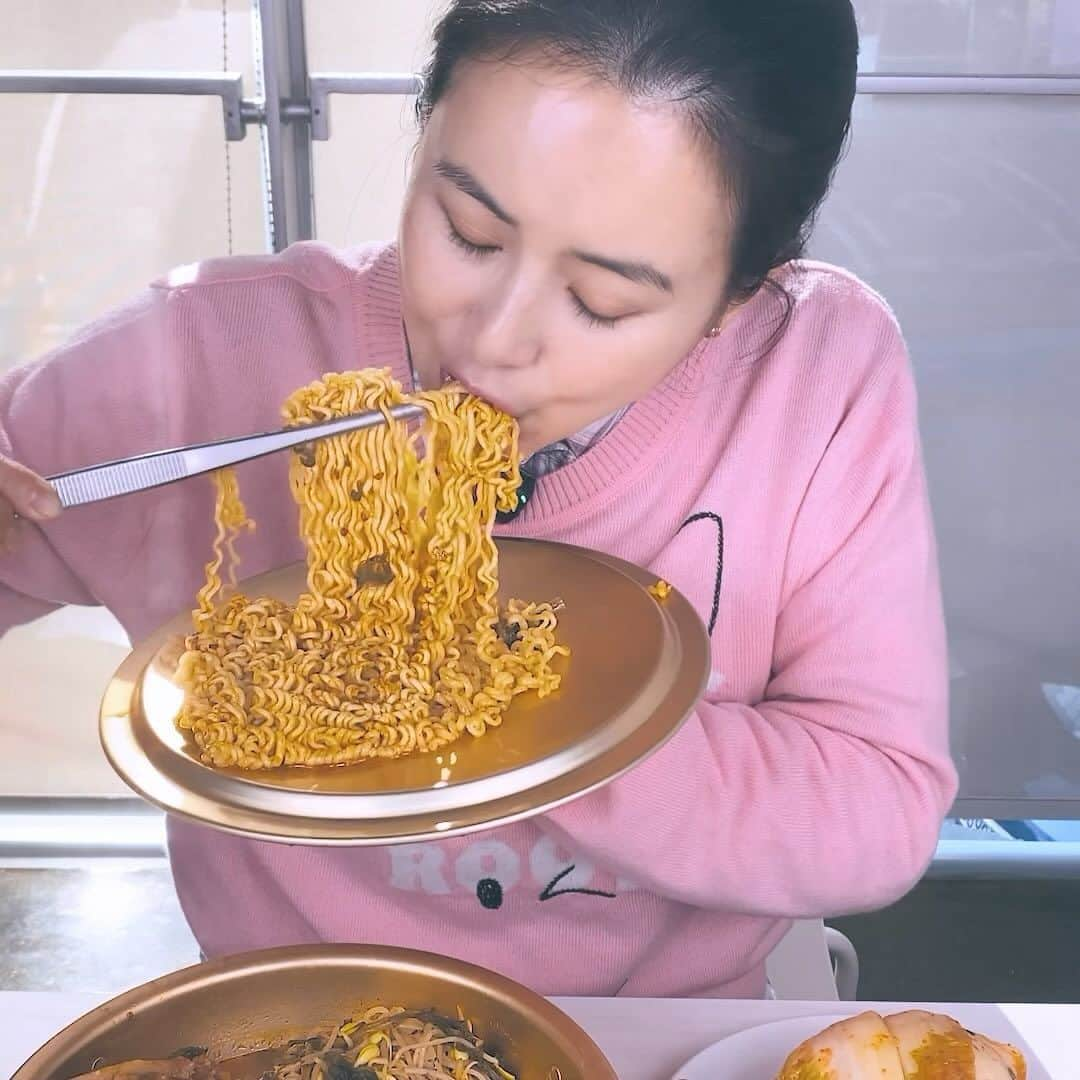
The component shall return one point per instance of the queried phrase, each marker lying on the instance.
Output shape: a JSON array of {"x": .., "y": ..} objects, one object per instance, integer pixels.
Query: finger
[
  {"x": 10, "y": 530},
  {"x": 12, "y": 539},
  {"x": 28, "y": 494}
]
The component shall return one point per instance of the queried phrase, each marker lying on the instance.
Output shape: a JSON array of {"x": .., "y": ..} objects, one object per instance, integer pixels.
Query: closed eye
[
  {"x": 593, "y": 318},
  {"x": 467, "y": 245}
]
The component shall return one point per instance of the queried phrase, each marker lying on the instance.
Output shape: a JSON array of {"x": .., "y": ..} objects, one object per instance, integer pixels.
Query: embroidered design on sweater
[
  {"x": 708, "y": 515},
  {"x": 490, "y": 894},
  {"x": 551, "y": 890},
  {"x": 491, "y": 870}
]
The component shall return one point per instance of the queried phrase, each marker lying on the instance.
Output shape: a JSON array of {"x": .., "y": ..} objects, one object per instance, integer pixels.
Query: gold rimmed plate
[
  {"x": 242, "y": 1003},
  {"x": 637, "y": 667}
]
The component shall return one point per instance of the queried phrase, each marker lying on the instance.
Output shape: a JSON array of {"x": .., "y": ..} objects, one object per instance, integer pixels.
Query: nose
[{"x": 507, "y": 326}]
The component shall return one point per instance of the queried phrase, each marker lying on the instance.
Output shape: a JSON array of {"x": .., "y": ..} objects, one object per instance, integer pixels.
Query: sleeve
[
  {"x": 102, "y": 395},
  {"x": 828, "y": 795},
  {"x": 17, "y": 608}
]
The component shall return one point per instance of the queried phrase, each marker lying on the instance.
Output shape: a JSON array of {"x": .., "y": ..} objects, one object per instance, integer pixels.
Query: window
[{"x": 959, "y": 206}]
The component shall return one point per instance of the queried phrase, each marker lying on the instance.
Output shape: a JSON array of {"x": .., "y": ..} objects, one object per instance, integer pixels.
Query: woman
[{"x": 599, "y": 236}]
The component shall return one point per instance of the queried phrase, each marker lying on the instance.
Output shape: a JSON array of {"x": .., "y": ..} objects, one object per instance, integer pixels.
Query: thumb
[{"x": 30, "y": 495}]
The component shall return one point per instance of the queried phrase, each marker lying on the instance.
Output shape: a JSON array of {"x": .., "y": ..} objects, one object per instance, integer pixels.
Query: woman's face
[{"x": 562, "y": 246}]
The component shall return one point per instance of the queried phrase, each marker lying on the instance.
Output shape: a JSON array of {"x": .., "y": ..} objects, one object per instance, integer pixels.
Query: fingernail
[{"x": 45, "y": 504}]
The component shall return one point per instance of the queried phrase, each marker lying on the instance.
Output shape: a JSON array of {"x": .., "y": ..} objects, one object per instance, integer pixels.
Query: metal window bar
[
  {"x": 322, "y": 85},
  {"x": 238, "y": 111},
  {"x": 283, "y": 72},
  {"x": 126, "y": 827},
  {"x": 325, "y": 84},
  {"x": 996, "y": 85},
  {"x": 293, "y": 106},
  {"x": 315, "y": 111}
]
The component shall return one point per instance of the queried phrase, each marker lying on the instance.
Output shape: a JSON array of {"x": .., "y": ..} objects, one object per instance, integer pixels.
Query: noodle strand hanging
[{"x": 398, "y": 644}]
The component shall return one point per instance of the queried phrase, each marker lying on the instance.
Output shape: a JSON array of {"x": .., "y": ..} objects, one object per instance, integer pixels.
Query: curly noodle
[{"x": 398, "y": 644}]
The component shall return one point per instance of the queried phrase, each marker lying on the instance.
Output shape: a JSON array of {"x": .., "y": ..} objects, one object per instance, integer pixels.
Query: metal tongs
[{"x": 122, "y": 477}]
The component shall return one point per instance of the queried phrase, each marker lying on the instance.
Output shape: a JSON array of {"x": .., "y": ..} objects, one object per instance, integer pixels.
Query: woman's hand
[{"x": 23, "y": 494}]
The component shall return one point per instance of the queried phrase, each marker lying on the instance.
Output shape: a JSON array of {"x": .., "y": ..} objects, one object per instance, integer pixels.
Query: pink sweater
[{"x": 781, "y": 491}]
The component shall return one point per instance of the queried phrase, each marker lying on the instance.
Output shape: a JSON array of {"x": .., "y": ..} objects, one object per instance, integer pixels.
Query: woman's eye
[
  {"x": 476, "y": 250},
  {"x": 590, "y": 316}
]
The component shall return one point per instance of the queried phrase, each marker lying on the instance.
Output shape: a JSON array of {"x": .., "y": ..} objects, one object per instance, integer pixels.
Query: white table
[{"x": 628, "y": 1031}]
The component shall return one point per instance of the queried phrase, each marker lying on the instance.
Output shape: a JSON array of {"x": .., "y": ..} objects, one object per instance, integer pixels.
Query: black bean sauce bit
[
  {"x": 374, "y": 571},
  {"x": 306, "y": 453}
]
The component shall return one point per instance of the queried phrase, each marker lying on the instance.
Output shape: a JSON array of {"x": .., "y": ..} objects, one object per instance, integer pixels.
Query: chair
[{"x": 813, "y": 962}]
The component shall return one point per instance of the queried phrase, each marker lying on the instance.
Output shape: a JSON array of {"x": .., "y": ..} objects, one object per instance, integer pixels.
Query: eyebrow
[
  {"x": 465, "y": 182},
  {"x": 641, "y": 273}
]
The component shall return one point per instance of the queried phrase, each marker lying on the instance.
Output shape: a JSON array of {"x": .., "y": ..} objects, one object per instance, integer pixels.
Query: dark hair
[{"x": 768, "y": 84}]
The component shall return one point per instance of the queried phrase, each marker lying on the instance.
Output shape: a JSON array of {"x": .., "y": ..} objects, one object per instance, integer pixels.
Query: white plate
[{"x": 757, "y": 1053}]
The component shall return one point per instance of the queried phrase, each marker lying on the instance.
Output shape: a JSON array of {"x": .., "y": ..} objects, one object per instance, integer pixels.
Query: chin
[{"x": 529, "y": 443}]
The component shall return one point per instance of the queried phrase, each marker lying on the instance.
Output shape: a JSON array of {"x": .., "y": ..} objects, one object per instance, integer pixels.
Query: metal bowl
[{"x": 254, "y": 1000}]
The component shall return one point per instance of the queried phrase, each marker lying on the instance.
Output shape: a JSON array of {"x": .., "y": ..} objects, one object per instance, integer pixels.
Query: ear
[
  {"x": 716, "y": 320},
  {"x": 721, "y": 315}
]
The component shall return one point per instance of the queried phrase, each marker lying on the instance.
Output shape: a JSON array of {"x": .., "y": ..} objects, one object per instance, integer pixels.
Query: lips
[{"x": 478, "y": 391}]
